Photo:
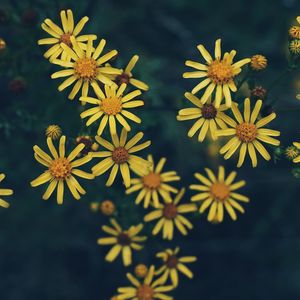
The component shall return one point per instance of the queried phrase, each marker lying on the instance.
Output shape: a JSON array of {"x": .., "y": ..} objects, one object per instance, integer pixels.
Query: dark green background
[{"x": 50, "y": 252}]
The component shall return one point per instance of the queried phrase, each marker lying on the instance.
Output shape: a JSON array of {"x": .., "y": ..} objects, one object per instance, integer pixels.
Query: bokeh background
[{"x": 50, "y": 252}]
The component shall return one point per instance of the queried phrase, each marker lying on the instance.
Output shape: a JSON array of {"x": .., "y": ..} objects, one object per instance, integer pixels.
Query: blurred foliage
[{"x": 50, "y": 252}]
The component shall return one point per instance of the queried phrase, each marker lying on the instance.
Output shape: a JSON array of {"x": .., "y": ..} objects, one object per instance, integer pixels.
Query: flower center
[
  {"x": 123, "y": 78},
  {"x": 60, "y": 168},
  {"x": 124, "y": 239},
  {"x": 152, "y": 180},
  {"x": 220, "y": 72},
  {"x": 209, "y": 111},
  {"x": 111, "y": 106},
  {"x": 219, "y": 191},
  {"x": 86, "y": 68},
  {"x": 172, "y": 261},
  {"x": 145, "y": 292},
  {"x": 65, "y": 38},
  {"x": 246, "y": 132},
  {"x": 170, "y": 211},
  {"x": 120, "y": 155}
]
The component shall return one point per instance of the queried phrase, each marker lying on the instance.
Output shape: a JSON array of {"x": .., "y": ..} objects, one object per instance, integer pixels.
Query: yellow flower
[
  {"x": 248, "y": 133},
  {"x": 258, "y": 62},
  {"x": 85, "y": 68},
  {"x": 210, "y": 117},
  {"x": 2, "y": 44},
  {"x": 295, "y": 46},
  {"x": 297, "y": 145},
  {"x": 141, "y": 271},
  {"x": 120, "y": 155},
  {"x": 60, "y": 170},
  {"x": 123, "y": 240},
  {"x": 53, "y": 131},
  {"x": 127, "y": 76},
  {"x": 218, "y": 191},
  {"x": 62, "y": 35},
  {"x": 172, "y": 265},
  {"x": 219, "y": 74},
  {"x": 107, "y": 207},
  {"x": 294, "y": 32},
  {"x": 4, "y": 192},
  {"x": 146, "y": 290},
  {"x": 291, "y": 152},
  {"x": 94, "y": 207},
  {"x": 112, "y": 106},
  {"x": 170, "y": 216},
  {"x": 153, "y": 183}
]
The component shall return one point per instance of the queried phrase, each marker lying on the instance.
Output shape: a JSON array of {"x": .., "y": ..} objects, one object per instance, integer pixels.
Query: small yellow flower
[
  {"x": 294, "y": 46},
  {"x": 148, "y": 289},
  {"x": 218, "y": 192},
  {"x": 60, "y": 170},
  {"x": 219, "y": 74},
  {"x": 248, "y": 132},
  {"x": 62, "y": 35},
  {"x": 85, "y": 68},
  {"x": 170, "y": 216},
  {"x": 107, "y": 207},
  {"x": 2, "y": 44},
  {"x": 153, "y": 183},
  {"x": 94, "y": 207},
  {"x": 90, "y": 145},
  {"x": 297, "y": 145},
  {"x": 54, "y": 132},
  {"x": 120, "y": 156},
  {"x": 173, "y": 264},
  {"x": 294, "y": 32},
  {"x": 123, "y": 240},
  {"x": 141, "y": 271},
  {"x": 127, "y": 76},
  {"x": 210, "y": 116},
  {"x": 258, "y": 62},
  {"x": 291, "y": 152},
  {"x": 4, "y": 192},
  {"x": 298, "y": 96},
  {"x": 112, "y": 106}
]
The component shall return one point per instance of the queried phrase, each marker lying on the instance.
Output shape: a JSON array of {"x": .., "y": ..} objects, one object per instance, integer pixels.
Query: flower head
[
  {"x": 124, "y": 241},
  {"x": 297, "y": 158},
  {"x": 153, "y": 183},
  {"x": 259, "y": 92},
  {"x": 210, "y": 117},
  {"x": 61, "y": 169},
  {"x": 112, "y": 107},
  {"x": 85, "y": 68},
  {"x": 127, "y": 77},
  {"x": 170, "y": 215},
  {"x": 294, "y": 32},
  {"x": 141, "y": 270},
  {"x": 2, "y": 45},
  {"x": 218, "y": 192},
  {"x": 148, "y": 289},
  {"x": 294, "y": 46},
  {"x": 120, "y": 156},
  {"x": 173, "y": 264},
  {"x": 89, "y": 144},
  {"x": 53, "y": 131},
  {"x": 248, "y": 133},
  {"x": 4, "y": 192},
  {"x": 219, "y": 74},
  {"x": 291, "y": 152},
  {"x": 62, "y": 35},
  {"x": 107, "y": 207},
  {"x": 258, "y": 62}
]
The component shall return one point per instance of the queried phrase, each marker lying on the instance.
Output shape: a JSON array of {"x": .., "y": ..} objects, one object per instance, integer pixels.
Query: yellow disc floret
[
  {"x": 220, "y": 191},
  {"x": 220, "y": 72},
  {"x": 86, "y": 68},
  {"x": 246, "y": 132},
  {"x": 152, "y": 180},
  {"x": 60, "y": 168},
  {"x": 111, "y": 106}
]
